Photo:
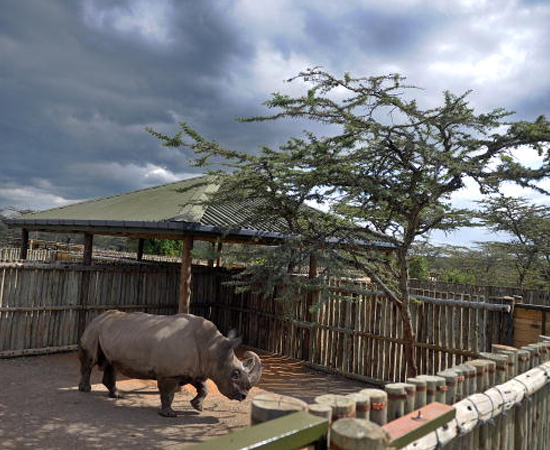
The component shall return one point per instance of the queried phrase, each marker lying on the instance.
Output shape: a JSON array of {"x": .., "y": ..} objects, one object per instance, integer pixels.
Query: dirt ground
[{"x": 41, "y": 407}]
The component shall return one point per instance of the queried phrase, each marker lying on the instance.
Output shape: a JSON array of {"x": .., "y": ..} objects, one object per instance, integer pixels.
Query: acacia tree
[
  {"x": 529, "y": 226},
  {"x": 384, "y": 170}
]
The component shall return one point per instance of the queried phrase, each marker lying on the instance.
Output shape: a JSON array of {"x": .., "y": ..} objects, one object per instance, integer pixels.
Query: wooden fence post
[
  {"x": 311, "y": 298},
  {"x": 362, "y": 405},
  {"x": 85, "y": 282},
  {"x": 396, "y": 400},
  {"x": 185, "y": 276},
  {"x": 24, "y": 244},
  {"x": 272, "y": 406},
  {"x": 342, "y": 406},
  {"x": 420, "y": 394},
  {"x": 378, "y": 405},
  {"x": 358, "y": 434},
  {"x": 141, "y": 245}
]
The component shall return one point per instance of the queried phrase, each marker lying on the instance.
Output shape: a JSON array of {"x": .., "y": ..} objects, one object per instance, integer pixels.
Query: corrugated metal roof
[
  {"x": 176, "y": 207},
  {"x": 169, "y": 202}
]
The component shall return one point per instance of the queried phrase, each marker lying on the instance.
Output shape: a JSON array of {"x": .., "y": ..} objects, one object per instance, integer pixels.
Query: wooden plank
[
  {"x": 417, "y": 424},
  {"x": 292, "y": 431}
]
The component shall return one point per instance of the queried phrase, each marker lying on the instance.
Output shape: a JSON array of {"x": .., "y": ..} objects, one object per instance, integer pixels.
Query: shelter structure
[{"x": 172, "y": 211}]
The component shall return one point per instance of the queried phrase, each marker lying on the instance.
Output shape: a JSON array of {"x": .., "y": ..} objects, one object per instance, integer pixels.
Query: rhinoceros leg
[
  {"x": 202, "y": 392},
  {"x": 109, "y": 380},
  {"x": 167, "y": 388},
  {"x": 86, "y": 365}
]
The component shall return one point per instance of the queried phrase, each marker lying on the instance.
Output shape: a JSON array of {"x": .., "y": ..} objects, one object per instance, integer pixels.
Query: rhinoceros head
[{"x": 235, "y": 378}]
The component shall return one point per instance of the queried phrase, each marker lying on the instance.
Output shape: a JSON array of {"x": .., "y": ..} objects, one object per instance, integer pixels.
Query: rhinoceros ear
[
  {"x": 232, "y": 340},
  {"x": 232, "y": 334},
  {"x": 235, "y": 342}
]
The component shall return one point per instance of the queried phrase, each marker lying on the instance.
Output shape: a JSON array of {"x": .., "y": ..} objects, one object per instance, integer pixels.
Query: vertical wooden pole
[
  {"x": 185, "y": 276},
  {"x": 219, "y": 259},
  {"x": 88, "y": 248},
  {"x": 85, "y": 282},
  {"x": 24, "y": 243},
  {"x": 311, "y": 297},
  {"x": 211, "y": 260},
  {"x": 141, "y": 245}
]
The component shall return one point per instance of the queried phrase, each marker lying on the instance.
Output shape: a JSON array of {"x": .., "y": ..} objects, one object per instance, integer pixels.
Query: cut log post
[
  {"x": 271, "y": 406},
  {"x": 396, "y": 400},
  {"x": 420, "y": 394},
  {"x": 482, "y": 379},
  {"x": 325, "y": 412},
  {"x": 469, "y": 380},
  {"x": 319, "y": 410},
  {"x": 378, "y": 405},
  {"x": 358, "y": 434},
  {"x": 460, "y": 382},
  {"x": 410, "y": 392},
  {"x": 342, "y": 406},
  {"x": 450, "y": 377},
  {"x": 185, "y": 276},
  {"x": 362, "y": 405}
]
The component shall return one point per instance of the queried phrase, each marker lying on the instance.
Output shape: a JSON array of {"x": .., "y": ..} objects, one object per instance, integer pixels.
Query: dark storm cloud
[
  {"x": 391, "y": 33},
  {"x": 75, "y": 92},
  {"x": 79, "y": 81}
]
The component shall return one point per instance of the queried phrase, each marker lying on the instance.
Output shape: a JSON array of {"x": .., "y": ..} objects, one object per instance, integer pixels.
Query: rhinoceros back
[{"x": 150, "y": 346}]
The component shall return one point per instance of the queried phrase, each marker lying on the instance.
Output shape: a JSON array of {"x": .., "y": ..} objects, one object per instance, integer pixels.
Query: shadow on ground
[{"x": 41, "y": 408}]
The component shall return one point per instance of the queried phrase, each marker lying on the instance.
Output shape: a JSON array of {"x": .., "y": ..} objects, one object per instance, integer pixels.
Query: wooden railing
[{"x": 501, "y": 401}]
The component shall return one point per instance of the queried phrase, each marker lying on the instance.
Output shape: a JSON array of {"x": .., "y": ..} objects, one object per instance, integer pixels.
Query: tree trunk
[{"x": 408, "y": 329}]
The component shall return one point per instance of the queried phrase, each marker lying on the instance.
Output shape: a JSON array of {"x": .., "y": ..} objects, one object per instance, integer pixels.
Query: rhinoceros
[{"x": 174, "y": 350}]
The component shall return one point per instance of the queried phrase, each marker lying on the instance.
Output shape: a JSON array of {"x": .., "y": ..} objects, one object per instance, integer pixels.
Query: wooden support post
[
  {"x": 24, "y": 243},
  {"x": 310, "y": 300},
  {"x": 185, "y": 276},
  {"x": 141, "y": 244},
  {"x": 219, "y": 258},
  {"x": 85, "y": 282},
  {"x": 88, "y": 249},
  {"x": 211, "y": 260}
]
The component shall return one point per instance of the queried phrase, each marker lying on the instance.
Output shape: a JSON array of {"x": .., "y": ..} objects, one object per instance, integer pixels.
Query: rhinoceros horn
[{"x": 253, "y": 366}]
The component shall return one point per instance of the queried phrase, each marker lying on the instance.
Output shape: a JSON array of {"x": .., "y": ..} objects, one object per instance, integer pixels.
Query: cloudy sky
[{"x": 80, "y": 80}]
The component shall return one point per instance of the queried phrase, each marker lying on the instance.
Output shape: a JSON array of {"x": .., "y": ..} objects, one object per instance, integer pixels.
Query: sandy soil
[{"x": 41, "y": 407}]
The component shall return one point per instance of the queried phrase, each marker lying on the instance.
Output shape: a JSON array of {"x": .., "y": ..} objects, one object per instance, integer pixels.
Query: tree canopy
[{"x": 381, "y": 165}]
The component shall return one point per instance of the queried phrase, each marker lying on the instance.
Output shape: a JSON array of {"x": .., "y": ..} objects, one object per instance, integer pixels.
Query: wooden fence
[
  {"x": 42, "y": 306},
  {"x": 528, "y": 296},
  {"x": 356, "y": 333},
  {"x": 359, "y": 334}
]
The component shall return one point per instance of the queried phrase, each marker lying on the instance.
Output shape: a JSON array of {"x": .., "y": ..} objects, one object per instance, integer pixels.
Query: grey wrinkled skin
[{"x": 174, "y": 350}]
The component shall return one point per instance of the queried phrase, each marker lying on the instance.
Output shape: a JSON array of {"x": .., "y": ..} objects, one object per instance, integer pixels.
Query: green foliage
[
  {"x": 162, "y": 247},
  {"x": 455, "y": 275},
  {"x": 384, "y": 171},
  {"x": 528, "y": 226},
  {"x": 418, "y": 267}
]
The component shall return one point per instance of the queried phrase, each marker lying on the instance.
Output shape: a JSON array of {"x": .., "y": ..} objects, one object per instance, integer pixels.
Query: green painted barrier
[{"x": 286, "y": 433}]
